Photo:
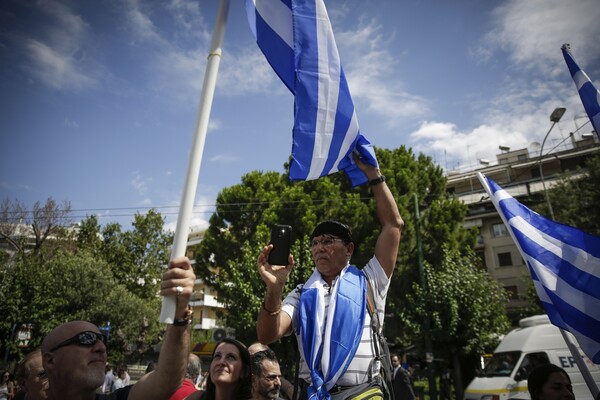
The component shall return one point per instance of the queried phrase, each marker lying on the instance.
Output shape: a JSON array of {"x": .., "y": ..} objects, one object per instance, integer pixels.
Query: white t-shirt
[{"x": 358, "y": 370}]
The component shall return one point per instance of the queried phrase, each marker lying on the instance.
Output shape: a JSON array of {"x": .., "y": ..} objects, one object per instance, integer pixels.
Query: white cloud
[
  {"x": 369, "y": 66},
  {"x": 533, "y": 31},
  {"x": 201, "y": 212},
  {"x": 57, "y": 58},
  {"x": 536, "y": 81},
  {"x": 70, "y": 123},
  {"x": 224, "y": 158},
  {"x": 140, "y": 183}
]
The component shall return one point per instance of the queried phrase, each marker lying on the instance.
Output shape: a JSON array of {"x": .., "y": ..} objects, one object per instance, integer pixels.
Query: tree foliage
[
  {"x": 57, "y": 274},
  {"x": 464, "y": 307}
]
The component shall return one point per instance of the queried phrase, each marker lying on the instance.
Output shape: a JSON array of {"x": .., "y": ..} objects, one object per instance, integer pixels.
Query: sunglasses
[{"x": 87, "y": 338}]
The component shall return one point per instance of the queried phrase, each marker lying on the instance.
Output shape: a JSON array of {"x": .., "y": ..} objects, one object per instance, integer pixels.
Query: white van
[{"x": 535, "y": 342}]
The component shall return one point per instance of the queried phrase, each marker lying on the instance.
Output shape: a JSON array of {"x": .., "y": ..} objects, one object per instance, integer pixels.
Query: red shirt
[{"x": 186, "y": 388}]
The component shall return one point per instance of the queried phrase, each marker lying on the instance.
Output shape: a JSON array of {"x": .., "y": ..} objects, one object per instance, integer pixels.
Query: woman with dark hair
[
  {"x": 229, "y": 375},
  {"x": 549, "y": 382}
]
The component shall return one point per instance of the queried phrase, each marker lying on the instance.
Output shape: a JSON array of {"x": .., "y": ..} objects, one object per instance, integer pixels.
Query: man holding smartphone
[{"x": 319, "y": 310}]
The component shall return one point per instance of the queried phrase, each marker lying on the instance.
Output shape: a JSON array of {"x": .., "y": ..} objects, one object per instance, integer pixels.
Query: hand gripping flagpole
[{"x": 167, "y": 312}]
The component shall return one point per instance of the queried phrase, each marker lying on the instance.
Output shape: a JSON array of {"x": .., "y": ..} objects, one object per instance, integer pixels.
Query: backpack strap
[{"x": 380, "y": 344}]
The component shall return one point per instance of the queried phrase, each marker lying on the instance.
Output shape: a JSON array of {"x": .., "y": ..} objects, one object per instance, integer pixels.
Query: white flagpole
[
  {"x": 585, "y": 372},
  {"x": 167, "y": 312}
]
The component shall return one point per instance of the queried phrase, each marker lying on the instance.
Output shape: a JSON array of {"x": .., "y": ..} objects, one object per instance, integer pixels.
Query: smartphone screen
[{"x": 281, "y": 238}]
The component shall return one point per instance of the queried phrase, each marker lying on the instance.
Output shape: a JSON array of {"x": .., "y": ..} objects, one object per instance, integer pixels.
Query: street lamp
[{"x": 554, "y": 117}]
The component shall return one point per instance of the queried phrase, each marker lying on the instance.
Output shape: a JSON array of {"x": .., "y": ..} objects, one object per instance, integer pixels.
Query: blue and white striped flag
[
  {"x": 297, "y": 40},
  {"x": 590, "y": 96},
  {"x": 564, "y": 263}
]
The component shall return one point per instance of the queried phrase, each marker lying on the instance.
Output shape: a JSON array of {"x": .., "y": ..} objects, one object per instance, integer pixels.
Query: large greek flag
[
  {"x": 564, "y": 263},
  {"x": 297, "y": 40},
  {"x": 590, "y": 96}
]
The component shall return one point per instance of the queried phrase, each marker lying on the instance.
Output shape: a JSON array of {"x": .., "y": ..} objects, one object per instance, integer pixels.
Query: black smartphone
[{"x": 281, "y": 238}]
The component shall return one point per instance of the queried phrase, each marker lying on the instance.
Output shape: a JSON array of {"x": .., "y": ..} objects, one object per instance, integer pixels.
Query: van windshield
[{"x": 502, "y": 364}]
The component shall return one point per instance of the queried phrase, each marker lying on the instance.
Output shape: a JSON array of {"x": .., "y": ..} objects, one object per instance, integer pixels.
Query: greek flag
[
  {"x": 564, "y": 263},
  {"x": 590, "y": 96},
  {"x": 297, "y": 40}
]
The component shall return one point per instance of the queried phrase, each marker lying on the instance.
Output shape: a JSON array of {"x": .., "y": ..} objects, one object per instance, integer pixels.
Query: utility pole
[{"x": 426, "y": 321}]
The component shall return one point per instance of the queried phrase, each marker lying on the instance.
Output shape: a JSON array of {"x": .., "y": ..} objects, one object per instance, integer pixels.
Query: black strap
[{"x": 380, "y": 345}]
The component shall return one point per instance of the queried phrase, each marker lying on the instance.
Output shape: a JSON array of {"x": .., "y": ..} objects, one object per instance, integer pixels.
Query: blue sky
[{"x": 99, "y": 98}]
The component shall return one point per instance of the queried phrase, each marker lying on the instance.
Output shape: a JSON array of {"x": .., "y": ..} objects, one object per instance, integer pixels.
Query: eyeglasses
[
  {"x": 325, "y": 242},
  {"x": 87, "y": 338}
]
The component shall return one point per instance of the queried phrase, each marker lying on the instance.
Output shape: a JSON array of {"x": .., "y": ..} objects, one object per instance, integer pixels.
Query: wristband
[
  {"x": 272, "y": 313},
  {"x": 185, "y": 321},
  {"x": 377, "y": 181}
]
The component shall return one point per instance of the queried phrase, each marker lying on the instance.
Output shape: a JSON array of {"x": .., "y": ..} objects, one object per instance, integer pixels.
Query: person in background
[
  {"x": 119, "y": 383},
  {"x": 191, "y": 375},
  {"x": 256, "y": 347},
  {"x": 549, "y": 382},
  {"x": 109, "y": 379},
  {"x": 7, "y": 387},
  {"x": 286, "y": 392},
  {"x": 31, "y": 377},
  {"x": 229, "y": 376},
  {"x": 266, "y": 375},
  {"x": 126, "y": 378},
  {"x": 401, "y": 382},
  {"x": 74, "y": 353}
]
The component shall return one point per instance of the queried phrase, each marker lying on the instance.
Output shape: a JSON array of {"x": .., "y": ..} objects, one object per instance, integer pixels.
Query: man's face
[
  {"x": 81, "y": 365},
  {"x": 36, "y": 383},
  {"x": 267, "y": 385},
  {"x": 395, "y": 361},
  {"x": 330, "y": 255}
]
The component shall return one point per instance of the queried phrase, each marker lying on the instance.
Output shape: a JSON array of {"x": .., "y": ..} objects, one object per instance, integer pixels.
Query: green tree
[
  {"x": 138, "y": 257},
  {"x": 99, "y": 274},
  {"x": 73, "y": 287},
  {"x": 465, "y": 307}
]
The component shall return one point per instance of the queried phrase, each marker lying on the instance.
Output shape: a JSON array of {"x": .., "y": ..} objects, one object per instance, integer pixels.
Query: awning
[{"x": 204, "y": 349}]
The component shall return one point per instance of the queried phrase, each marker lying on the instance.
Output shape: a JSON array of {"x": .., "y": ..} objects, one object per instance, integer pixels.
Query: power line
[{"x": 210, "y": 208}]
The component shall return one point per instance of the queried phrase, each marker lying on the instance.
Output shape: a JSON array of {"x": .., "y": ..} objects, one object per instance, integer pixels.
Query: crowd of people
[{"x": 336, "y": 316}]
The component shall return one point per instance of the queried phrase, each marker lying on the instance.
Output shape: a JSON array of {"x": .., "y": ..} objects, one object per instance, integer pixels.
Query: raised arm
[
  {"x": 272, "y": 323},
  {"x": 172, "y": 361},
  {"x": 386, "y": 248}
]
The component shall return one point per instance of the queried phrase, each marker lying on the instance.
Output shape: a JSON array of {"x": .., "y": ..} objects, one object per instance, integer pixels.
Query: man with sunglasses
[
  {"x": 329, "y": 312},
  {"x": 74, "y": 353}
]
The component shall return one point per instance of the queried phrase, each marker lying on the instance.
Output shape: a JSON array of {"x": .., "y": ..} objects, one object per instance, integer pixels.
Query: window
[
  {"x": 499, "y": 230},
  {"x": 530, "y": 361},
  {"x": 504, "y": 259}
]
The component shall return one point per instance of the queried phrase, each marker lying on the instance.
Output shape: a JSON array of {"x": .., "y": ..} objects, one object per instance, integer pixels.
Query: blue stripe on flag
[
  {"x": 564, "y": 263},
  {"x": 590, "y": 96},
  {"x": 297, "y": 40}
]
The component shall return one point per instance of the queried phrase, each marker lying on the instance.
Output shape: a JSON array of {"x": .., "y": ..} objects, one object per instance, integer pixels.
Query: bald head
[
  {"x": 74, "y": 368},
  {"x": 66, "y": 331},
  {"x": 256, "y": 347}
]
